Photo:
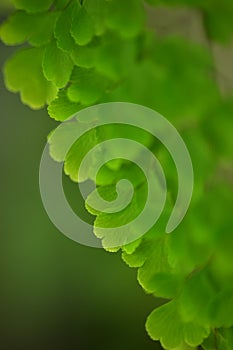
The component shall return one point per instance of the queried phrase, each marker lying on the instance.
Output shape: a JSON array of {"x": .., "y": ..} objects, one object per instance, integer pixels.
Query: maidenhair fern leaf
[
  {"x": 15, "y": 30},
  {"x": 221, "y": 309},
  {"x": 125, "y": 17},
  {"x": 156, "y": 275},
  {"x": 61, "y": 108},
  {"x": 165, "y": 324},
  {"x": 61, "y": 4},
  {"x": 85, "y": 56},
  {"x": 97, "y": 11},
  {"x": 82, "y": 27},
  {"x": 57, "y": 65},
  {"x": 37, "y": 29},
  {"x": 62, "y": 29},
  {"x": 23, "y": 73},
  {"x": 91, "y": 51},
  {"x": 221, "y": 339},
  {"x": 87, "y": 86}
]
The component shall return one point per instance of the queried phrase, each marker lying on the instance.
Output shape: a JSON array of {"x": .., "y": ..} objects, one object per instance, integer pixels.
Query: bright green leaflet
[
  {"x": 23, "y": 72},
  {"x": 37, "y": 29},
  {"x": 57, "y": 65}
]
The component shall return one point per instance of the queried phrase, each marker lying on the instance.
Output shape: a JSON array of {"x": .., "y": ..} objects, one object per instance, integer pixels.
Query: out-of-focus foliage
[
  {"x": 85, "y": 52},
  {"x": 6, "y": 5},
  {"x": 217, "y": 16}
]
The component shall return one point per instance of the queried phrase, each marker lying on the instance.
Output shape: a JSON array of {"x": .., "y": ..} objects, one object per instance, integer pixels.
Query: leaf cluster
[{"x": 79, "y": 53}]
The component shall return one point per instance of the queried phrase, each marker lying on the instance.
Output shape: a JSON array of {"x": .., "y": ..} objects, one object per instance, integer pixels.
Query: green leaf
[
  {"x": 126, "y": 17},
  {"x": 37, "y": 29},
  {"x": 221, "y": 339},
  {"x": 115, "y": 56},
  {"x": 61, "y": 4},
  {"x": 153, "y": 239},
  {"x": 82, "y": 27},
  {"x": 166, "y": 325},
  {"x": 110, "y": 55},
  {"x": 42, "y": 28},
  {"x": 117, "y": 169},
  {"x": 119, "y": 218},
  {"x": 195, "y": 297},
  {"x": 225, "y": 338},
  {"x": 131, "y": 247},
  {"x": 221, "y": 309},
  {"x": 61, "y": 108},
  {"x": 76, "y": 154},
  {"x": 57, "y": 65},
  {"x": 33, "y": 5},
  {"x": 62, "y": 29},
  {"x": 140, "y": 255},
  {"x": 15, "y": 30},
  {"x": 156, "y": 275},
  {"x": 87, "y": 86},
  {"x": 118, "y": 61},
  {"x": 191, "y": 92},
  {"x": 72, "y": 159},
  {"x": 23, "y": 73},
  {"x": 85, "y": 56},
  {"x": 97, "y": 11}
]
